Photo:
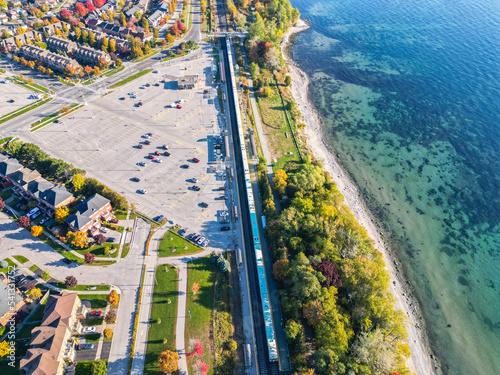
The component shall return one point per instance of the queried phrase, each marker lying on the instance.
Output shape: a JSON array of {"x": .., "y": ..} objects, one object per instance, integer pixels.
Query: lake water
[{"x": 410, "y": 94}]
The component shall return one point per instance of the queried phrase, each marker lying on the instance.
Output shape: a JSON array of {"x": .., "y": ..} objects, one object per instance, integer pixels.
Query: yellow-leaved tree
[
  {"x": 62, "y": 214},
  {"x": 36, "y": 230},
  {"x": 77, "y": 182},
  {"x": 4, "y": 348},
  {"x": 77, "y": 239},
  {"x": 113, "y": 298},
  {"x": 168, "y": 361}
]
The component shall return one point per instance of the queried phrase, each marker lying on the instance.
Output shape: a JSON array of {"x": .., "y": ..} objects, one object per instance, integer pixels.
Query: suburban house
[
  {"x": 10, "y": 45},
  {"x": 51, "y": 29},
  {"x": 38, "y": 186},
  {"x": 89, "y": 214},
  {"x": 56, "y": 197},
  {"x": 91, "y": 55},
  {"x": 59, "y": 44},
  {"x": 154, "y": 19},
  {"x": 12, "y": 15},
  {"x": 52, "y": 60},
  {"x": 18, "y": 303},
  {"x": 22, "y": 177},
  {"x": 3, "y": 18},
  {"x": 52, "y": 343},
  {"x": 8, "y": 166}
]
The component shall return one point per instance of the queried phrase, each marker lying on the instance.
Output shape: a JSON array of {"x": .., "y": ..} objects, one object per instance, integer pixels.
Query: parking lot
[
  {"x": 14, "y": 97},
  {"x": 104, "y": 137}
]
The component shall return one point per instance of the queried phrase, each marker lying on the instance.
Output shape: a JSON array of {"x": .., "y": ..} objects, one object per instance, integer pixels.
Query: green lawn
[
  {"x": 92, "y": 337},
  {"x": 20, "y": 259},
  {"x": 34, "y": 268},
  {"x": 131, "y": 78},
  {"x": 24, "y": 109},
  {"x": 25, "y": 332},
  {"x": 98, "y": 250},
  {"x": 6, "y": 269},
  {"x": 125, "y": 250},
  {"x": 84, "y": 367},
  {"x": 38, "y": 314},
  {"x": 121, "y": 215},
  {"x": 163, "y": 292},
  {"x": 97, "y": 301},
  {"x": 94, "y": 321},
  {"x": 81, "y": 288},
  {"x": 202, "y": 272},
  {"x": 182, "y": 246},
  {"x": 6, "y": 194}
]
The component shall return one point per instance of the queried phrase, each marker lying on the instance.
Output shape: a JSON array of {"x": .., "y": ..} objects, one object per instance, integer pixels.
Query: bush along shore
[{"x": 339, "y": 314}]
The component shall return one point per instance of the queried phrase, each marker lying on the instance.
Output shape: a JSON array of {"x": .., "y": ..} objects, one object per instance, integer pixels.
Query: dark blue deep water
[{"x": 410, "y": 94}]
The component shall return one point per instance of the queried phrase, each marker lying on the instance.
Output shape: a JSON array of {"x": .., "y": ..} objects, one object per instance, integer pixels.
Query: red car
[
  {"x": 114, "y": 221},
  {"x": 151, "y": 157},
  {"x": 96, "y": 313},
  {"x": 179, "y": 106},
  {"x": 157, "y": 153},
  {"x": 196, "y": 160}
]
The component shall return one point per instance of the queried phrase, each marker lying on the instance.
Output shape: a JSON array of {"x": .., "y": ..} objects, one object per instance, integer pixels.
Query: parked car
[
  {"x": 156, "y": 84},
  {"x": 225, "y": 229},
  {"x": 143, "y": 191},
  {"x": 148, "y": 85},
  {"x": 85, "y": 346},
  {"x": 158, "y": 160},
  {"x": 151, "y": 157},
  {"x": 122, "y": 98},
  {"x": 223, "y": 198},
  {"x": 67, "y": 261},
  {"x": 183, "y": 232},
  {"x": 157, "y": 153},
  {"x": 195, "y": 180},
  {"x": 147, "y": 142},
  {"x": 43, "y": 221},
  {"x": 95, "y": 313},
  {"x": 166, "y": 153},
  {"x": 196, "y": 160},
  {"x": 142, "y": 164},
  {"x": 155, "y": 71},
  {"x": 195, "y": 188},
  {"x": 114, "y": 220},
  {"x": 158, "y": 218},
  {"x": 205, "y": 243},
  {"x": 136, "y": 179},
  {"x": 179, "y": 106},
  {"x": 200, "y": 240},
  {"x": 104, "y": 229},
  {"x": 204, "y": 205},
  {"x": 223, "y": 188},
  {"x": 111, "y": 239},
  {"x": 140, "y": 146},
  {"x": 185, "y": 166},
  {"x": 36, "y": 214},
  {"x": 148, "y": 135},
  {"x": 89, "y": 330}
]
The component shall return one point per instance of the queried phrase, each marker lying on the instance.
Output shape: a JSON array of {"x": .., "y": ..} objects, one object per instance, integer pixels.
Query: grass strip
[
  {"x": 131, "y": 78},
  {"x": 24, "y": 109},
  {"x": 202, "y": 272},
  {"x": 55, "y": 116},
  {"x": 11, "y": 264},
  {"x": 161, "y": 336},
  {"x": 20, "y": 259},
  {"x": 144, "y": 57},
  {"x": 125, "y": 250}
]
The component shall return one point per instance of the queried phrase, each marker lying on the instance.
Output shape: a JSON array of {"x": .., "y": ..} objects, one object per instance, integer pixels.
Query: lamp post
[{"x": 189, "y": 312}]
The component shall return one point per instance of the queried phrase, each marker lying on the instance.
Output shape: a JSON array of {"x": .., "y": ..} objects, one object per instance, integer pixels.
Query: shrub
[
  {"x": 108, "y": 332},
  {"x": 110, "y": 317},
  {"x": 70, "y": 282}
]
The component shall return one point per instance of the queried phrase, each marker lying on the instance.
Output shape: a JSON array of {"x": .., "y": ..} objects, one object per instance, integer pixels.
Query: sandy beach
[{"x": 421, "y": 361}]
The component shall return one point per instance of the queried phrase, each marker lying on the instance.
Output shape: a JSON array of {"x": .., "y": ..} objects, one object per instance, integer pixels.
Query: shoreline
[{"x": 422, "y": 359}]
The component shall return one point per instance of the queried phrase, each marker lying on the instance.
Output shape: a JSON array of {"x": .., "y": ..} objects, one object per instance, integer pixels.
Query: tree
[
  {"x": 136, "y": 52},
  {"x": 108, "y": 332},
  {"x": 104, "y": 44},
  {"x": 77, "y": 239},
  {"x": 92, "y": 40},
  {"x": 281, "y": 270},
  {"x": 145, "y": 25},
  {"x": 110, "y": 317},
  {"x": 99, "y": 366},
  {"x": 196, "y": 287},
  {"x": 90, "y": 6},
  {"x": 4, "y": 349},
  {"x": 2, "y": 204},
  {"x": 112, "y": 46},
  {"x": 99, "y": 239},
  {"x": 123, "y": 20},
  {"x": 36, "y": 230},
  {"x": 99, "y": 3},
  {"x": 65, "y": 28},
  {"x": 169, "y": 38},
  {"x": 267, "y": 92},
  {"x": 70, "y": 282},
  {"x": 313, "y": 312},
  {"x": 168, "y": 361},
  {"x": 375, "y": 351},
  {"x": 113, "y": 298},
  {"x": 62, "y": 214},
  {"x": 118, "y": 63},
  {"x": 36, "y": 293},
  {"x": 89, "y": 258},
  {"x": 155, "y": 33},
  {"x": 331, "y": 273},
  {"x": 24, "y": 221},
  {"x": 80, "y": 10},
  {"x": 77, "y": 181}
]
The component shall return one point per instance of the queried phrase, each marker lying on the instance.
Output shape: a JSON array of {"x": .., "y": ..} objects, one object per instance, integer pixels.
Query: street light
[{"x": 189, "y": 312}]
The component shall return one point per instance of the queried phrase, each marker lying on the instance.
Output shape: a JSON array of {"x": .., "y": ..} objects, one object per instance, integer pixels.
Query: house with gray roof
[
  {"x": 89, "y": 214},
  {"x": 56, "y": 197},
  {"x": 8, "y": 166},
  {"x": 38, "y": 186},
  {"x": 22, "y": 177}
]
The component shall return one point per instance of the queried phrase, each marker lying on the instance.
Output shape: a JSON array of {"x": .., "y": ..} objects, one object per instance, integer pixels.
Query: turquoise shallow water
[{"x": 410, "y": 94}]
